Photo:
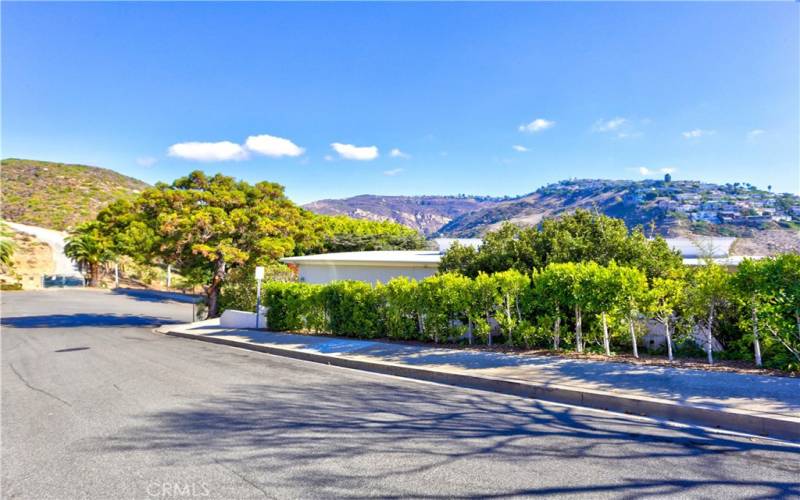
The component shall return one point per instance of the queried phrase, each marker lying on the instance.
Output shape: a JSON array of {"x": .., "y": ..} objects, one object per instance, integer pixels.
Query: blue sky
[{"x": 473, "y": 98}]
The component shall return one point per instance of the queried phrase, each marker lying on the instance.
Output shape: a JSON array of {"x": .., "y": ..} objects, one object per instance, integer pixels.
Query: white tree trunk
[
  {"x": 669, "y": 339},
  {"x": 469, "y": 331},
  {"x": 633, "y": 338},
  {"x": 710, "y": 337},
  {"x": 578, "y": 330},
  {"x": 557, "y": 333},
  {"x": 606, "y": 341},
  {"x": 756, "y": 343}
]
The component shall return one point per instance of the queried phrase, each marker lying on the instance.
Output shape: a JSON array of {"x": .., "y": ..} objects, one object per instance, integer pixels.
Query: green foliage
[
  {"x": 528, "y": 310},
  {"x": 344, "y": 234},
  {"x": 578, "y": 237},
  {"x": 352, "y": 309},
  {"x": 89, "y": 247},
  {"x": 7, "y": 247}
]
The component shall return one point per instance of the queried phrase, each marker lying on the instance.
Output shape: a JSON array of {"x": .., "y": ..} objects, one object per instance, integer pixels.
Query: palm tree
[
  {"x": 86, "y": 247},
  {"x": 6, "y": 247}
]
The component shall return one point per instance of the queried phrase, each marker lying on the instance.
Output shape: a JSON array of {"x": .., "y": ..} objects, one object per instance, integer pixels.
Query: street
[{"x": 96, "y": 405}]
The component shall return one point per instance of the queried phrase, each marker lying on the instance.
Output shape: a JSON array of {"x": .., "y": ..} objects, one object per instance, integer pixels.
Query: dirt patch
[
  {"x": 768, "y": 242},
  {"x": 32, "y": 259}
]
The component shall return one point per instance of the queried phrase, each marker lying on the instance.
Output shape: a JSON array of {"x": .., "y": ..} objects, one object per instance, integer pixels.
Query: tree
[
  {"x": 339, "y": 233},
  {"x": 667, "y": 178},
  {"x": 751, "y": 291},
  {"x": 552, "y": 290},
  {"x": 6, "y": 247},
  {"x": 631, "y": 298},
  {"x": 509, "y": 287},
  {"x": 709, "y": 290},
  {"x": 582, "y": 236},
  {"x": 207, "y": 226},
  {"x": 89, "y": 248},
  {"x": 664, "y": 297}
]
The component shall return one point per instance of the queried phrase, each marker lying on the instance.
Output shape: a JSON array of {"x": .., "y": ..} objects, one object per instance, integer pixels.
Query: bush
[{"x": 353, "y": 309}]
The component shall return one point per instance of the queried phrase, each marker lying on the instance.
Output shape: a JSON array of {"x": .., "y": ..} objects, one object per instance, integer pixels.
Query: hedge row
[{"x": 581, "y": 306}]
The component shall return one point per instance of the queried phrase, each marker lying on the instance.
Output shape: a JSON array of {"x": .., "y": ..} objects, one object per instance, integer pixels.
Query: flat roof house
[
  {"x": 384, "y": 265},
  {"x": 365, "y": 266}
]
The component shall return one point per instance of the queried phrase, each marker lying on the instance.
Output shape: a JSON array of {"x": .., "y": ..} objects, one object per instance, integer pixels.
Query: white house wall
[{"x": 310, "y": 273}]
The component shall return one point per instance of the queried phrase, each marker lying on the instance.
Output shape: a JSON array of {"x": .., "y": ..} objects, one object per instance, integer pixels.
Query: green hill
[{"x": 58, "y": 195}]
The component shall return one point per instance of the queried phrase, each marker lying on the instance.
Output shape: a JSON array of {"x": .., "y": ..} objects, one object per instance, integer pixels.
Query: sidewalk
[{"x": 755, "y": 404}]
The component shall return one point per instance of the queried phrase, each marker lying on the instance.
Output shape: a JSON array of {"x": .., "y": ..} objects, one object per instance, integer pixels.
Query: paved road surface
[{"x": 94, "y": 405}]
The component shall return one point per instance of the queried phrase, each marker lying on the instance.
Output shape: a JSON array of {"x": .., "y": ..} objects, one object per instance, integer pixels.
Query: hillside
[
  {"x": 426, "y": 214},
  {"x": 57, "y": 195},
  {"x": 767, "y": 222}
]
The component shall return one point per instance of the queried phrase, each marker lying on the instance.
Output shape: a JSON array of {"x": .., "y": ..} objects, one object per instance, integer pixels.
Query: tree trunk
[
  {"x": 578, "y": 330},
  {"x": 94, "y": 274},
  {"x": 606, "y": 341},
  {"x": 669, "y": 339},
  {"x": 756, "y": 343},
  {"x": 633, "y": 338},
  {"x": 490, "y": 329},
  {"x": 212, "y": 292},
  {"x": 710, "y": 336},
  {"x": 508, "y": 319},
  {"x": 469, "y": 331},
  {"x": 557, "y": 333}
]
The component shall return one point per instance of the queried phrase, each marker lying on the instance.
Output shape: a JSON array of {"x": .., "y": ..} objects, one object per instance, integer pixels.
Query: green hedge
[{"x": 582, "y": 306}]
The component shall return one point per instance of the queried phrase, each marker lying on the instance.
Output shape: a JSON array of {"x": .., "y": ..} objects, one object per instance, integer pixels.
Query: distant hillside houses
[{"x": 738, "y": 204}]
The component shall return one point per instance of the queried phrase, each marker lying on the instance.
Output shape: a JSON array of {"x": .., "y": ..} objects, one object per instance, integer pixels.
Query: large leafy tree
[
  {"x": 581, "y": 236},
  {"x": 90, "y": 248},
  {"x": 665, "y": 297},
  {"x": 207, "y": 226}
]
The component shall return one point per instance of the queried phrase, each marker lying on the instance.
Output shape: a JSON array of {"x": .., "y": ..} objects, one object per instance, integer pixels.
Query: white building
[{"x": 365, "y": 266}]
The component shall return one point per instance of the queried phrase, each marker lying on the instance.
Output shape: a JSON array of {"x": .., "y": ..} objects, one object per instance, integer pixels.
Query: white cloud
[
  {"x": 269, "y": 145},
  {"x": 393, "y": 172},
  {"x": 208, "y": 151},
  {"x": 755, "y": 133},
  {"x": 146, "y": 161},
  {"x": 644, "y": 171},
  {"x": 609, "y": 125},
  {"x": 328, "y": 158},
  {"x": 536, "y": 125},
  {"x": 697, "y": 133},
  {"x": 350, "y": 152},
  {"x": 521, "y": 149},
  {"x": 396, "y": 153}
]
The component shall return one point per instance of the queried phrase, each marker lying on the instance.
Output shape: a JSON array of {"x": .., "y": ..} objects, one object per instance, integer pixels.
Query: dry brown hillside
[{"x": 58, "y": 195}]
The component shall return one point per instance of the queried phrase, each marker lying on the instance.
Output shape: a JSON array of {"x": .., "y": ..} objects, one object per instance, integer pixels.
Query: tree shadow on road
[
  {"x": 83, "y": 320},
  {"x": 156, "y": 295},
  {"x": 341, "y": 437}
]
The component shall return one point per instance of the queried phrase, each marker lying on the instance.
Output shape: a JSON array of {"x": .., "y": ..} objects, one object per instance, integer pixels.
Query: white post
[{"x": 259, "y": 277}]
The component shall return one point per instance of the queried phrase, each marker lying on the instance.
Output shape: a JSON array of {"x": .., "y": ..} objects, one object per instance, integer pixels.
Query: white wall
[{"x": 316, "y": 273}]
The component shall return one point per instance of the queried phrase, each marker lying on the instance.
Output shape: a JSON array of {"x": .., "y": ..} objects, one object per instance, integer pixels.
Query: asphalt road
[{"x": 95, "y": 405}]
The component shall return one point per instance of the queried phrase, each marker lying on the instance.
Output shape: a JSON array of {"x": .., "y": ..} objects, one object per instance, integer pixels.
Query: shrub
[{"x": 352, "y": 309}]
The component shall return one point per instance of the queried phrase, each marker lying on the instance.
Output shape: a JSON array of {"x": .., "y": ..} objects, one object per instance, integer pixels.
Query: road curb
[{"x": 732, "y": 420}]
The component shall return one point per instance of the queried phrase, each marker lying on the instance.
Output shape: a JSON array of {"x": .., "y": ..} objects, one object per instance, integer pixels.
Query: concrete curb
[{"x": 732, "y": 420}]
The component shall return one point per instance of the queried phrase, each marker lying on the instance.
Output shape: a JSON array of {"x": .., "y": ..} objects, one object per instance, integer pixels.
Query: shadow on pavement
[
  {"x": 681, "y": 385},
  {"x": 340, "y": 436},
  {"x": 83, "y": 320},
  {"x": 155, "y": 295}
]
